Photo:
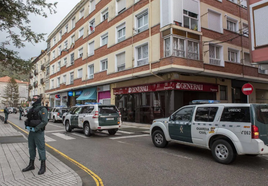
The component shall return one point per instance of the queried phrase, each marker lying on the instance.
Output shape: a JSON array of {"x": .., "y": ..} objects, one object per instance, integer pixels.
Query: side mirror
[{"x": 171, "y": 118}]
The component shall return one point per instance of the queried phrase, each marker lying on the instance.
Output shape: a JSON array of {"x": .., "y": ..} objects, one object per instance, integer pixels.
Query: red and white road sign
[{"x": 247, "y": 89}]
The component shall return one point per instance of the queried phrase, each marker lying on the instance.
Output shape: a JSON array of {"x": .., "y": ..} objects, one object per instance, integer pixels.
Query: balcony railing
[
  {"x": 35, "y": 72},
  {"x": 215, "y": 62}
]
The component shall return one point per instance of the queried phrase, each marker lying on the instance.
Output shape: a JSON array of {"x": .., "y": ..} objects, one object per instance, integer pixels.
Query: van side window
[
  {"x": 262, "y": 114},
  {"x": 184, "y": 114},
  {"x": 236, "y": 114},
  {"x": 206, "y": 114}
]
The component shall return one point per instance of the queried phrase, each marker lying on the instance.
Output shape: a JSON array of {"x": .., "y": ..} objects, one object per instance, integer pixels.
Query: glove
[{"x": 30, "y": 129}]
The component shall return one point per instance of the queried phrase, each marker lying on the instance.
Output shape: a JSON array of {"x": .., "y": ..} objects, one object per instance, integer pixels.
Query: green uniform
[
  {"x": 37, "y": 139},
  {"x": 21, "y": 110},
  {"x": 6, "y": 111}
]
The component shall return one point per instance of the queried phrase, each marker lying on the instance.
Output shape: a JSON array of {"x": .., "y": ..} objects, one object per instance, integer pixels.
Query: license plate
[{"x": 109, "y": 118}]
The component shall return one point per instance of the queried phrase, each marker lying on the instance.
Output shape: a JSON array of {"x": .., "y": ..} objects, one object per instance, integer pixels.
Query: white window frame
[
  {"x": 82, "y": 13},
  {"x": 105, "y": 61},
  {"x": 176, "y": 49},
  {"x": 91, "y": 26},
  {"x": 245, "y": 30},
  {"x": 190, "y": 19},
  {"x": 118, "y": 29},
  {"x": 103, "y": 38},
  {"x": 72, "y": 39},
  {"x": 231, "y": 50},
  {"x": 187, "y": 47},
  {"x": 65, "y": 60},
  {"x": 80, "y": 53},
  {"x": 52, "y": 84},
  {"x": 58, "y": 81},
  {"x": 71, "y": 81},
  {"x": 122, "y": 9},
  {"x": 66, "y": 28},
  {"x": 60, "y": 35},
  {"x": 73, "y": 22},
  {"x": 52, "y": 69},
  {"x": 116, "y": 63},
  {"x": 144, "y": 26},
  {"x": 214, "y": 60},
  {"x": 92, "y": 6},
  {"x": 53, "y": 54},
  {"x": 71, "y": 63},
  {"x": 59, "y": 66},
  {"x": 89, "y": 47},
  {"x": 142, "y": 59},
  {"x": 66, "y": 44},
  {"x": 64, "y": 79},
  {"x": 81, "y": 32},
  {"x": 231, "y": 24},
  {"x": 80, "y": 73},
  {"x": 59, "y": 50},
  {"x": 54, "y": 40},
  {"x": 90, "y": 76},
  {"x": 104, "y": 15}
]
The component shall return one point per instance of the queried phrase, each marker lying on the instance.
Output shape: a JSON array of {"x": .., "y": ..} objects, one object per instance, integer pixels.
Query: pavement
[{"x": 14, "y": 156}]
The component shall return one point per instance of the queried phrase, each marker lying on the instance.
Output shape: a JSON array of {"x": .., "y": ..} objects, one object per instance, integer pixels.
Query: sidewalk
[{"x": 14, "y": 156}]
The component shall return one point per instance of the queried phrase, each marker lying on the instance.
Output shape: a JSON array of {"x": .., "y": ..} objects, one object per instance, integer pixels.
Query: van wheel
[
  {"x": 112, "y": 131},
  {"x": 87, "y": 130},
  {"x": 54, "y": 120},
  {"x": 159, "y": 139},
  {"x": 223, "y": 152},
  {"x": 68, "y": 127}
]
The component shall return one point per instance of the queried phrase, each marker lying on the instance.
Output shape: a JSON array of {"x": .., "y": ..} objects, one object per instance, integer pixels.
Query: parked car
[
  {"x": 93, "y": 118},
  {"x": 12, "y": 110},
  {"x": 67, "y": 112},
  {"x": 49, "y": 112},
  {"x": 227, "y": 130},
  {"x": 57, "y": 112}
]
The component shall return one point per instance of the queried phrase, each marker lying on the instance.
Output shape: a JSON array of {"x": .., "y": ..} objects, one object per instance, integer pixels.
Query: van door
[
  {"x": 261, "y": 121},
  {"x": 84, "y": 115},
  {"x": 108, "y": 115},
  {"x": 180, "y": 123},
  {"x": 74, "y": 117}
]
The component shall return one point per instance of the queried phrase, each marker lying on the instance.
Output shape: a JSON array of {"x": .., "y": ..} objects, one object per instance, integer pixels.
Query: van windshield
[{"x": 261, "y": 112}]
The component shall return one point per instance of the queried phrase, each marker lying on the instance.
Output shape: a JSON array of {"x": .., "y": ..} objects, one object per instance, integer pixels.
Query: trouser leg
[
  {"x": 40, "y": 143},
  {"x": 32, "y": 145},
  {"x": 20, "y": 115}
]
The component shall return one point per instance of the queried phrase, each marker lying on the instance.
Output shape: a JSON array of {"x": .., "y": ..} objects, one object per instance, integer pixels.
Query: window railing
[{"x": 215, "y": 62}]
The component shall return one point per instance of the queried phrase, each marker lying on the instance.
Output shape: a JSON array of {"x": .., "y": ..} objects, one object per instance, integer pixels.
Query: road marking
[
  {"x": 125, "y": 132},
  {"x": 134, "y": 136},
  {"x": 179, "y": 156},
  {"x": 96, "y": 178},
  {"x": 54, "y": 125},
  {"x": 49, "y": 139},
  {"x": 63, "y": 136},
  {"x": 80, "y": 135},
  {"x": 54, "y": 131}
]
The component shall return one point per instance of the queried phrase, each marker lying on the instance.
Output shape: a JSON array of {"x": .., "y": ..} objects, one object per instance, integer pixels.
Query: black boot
[
  {"x": 29, "y": 167},
  {"x": 43, "y": 167}
]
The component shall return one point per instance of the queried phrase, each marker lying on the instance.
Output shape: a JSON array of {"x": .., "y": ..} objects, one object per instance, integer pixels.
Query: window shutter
[
  {"x": 120, "y": 59},
  {"x": 121, "y": 4},
  {"x": 214, "y": 21}
]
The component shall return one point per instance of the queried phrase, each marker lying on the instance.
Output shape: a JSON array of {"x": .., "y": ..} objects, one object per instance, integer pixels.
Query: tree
[
  {"x": 14, "y": 22},
  {"x": 11, "y": 93}
]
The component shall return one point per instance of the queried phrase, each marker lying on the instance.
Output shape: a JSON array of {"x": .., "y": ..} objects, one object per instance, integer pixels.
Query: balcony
[
  {"x": 30, "y": 87},
  {"x": 35, "y": 84},
  {"x": 43, "y": 67},
  {"x": 42, "y": 81},
  {"x": 35, "y": 72}
]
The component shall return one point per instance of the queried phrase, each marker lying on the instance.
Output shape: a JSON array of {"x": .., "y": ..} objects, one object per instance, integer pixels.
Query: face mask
[{"x": 34, "y": 99}]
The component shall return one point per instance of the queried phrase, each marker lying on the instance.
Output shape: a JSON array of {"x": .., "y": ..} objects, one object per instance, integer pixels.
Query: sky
[{"x": 40, "y": 24}]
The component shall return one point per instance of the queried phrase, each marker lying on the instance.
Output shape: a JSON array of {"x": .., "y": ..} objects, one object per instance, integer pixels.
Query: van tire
[
  {"x": 68, "y": 127},
  {"x": 87, "y": 130},
  {"x": 112, "y": 131},
  {"x": 223, "y": 152},
  {"x": 159, "y": 139}
]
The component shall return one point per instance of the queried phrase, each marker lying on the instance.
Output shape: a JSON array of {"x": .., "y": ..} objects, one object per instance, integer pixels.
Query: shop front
[
  {"x": 72, "y": 96},
  {"x": 144, "y": 103},
  {"x": 104, "y": 94},
  {"x": 88, "y": 95},
  {"x": 59, "y": 99}
]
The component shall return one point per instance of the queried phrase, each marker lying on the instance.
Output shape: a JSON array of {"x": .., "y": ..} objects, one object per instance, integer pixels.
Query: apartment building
[
  {"x": 39, "y": 77},
  {"x": 150, "y": 57}
]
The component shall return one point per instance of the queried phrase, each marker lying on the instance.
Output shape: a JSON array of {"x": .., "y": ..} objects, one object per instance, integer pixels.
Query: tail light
[
  {"x": 58, "y": 114},
  {"x": 119, "y": 113},
  {"x": 96, "y": 114},
  {"x": 255, "y": 132}
]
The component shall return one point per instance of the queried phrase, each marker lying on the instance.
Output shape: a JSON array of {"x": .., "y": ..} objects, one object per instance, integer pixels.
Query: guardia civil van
[{"x": 227, "y": 130}]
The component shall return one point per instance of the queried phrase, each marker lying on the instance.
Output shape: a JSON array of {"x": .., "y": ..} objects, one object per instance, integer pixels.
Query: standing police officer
[
  {"x": 36, "y": 123},
  {"x": 21, "y": 110},
  {"x": 6, "y": 111}
]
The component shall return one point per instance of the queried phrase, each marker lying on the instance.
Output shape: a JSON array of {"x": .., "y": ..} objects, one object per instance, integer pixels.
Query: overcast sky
[{"x": 40, "y": 24}]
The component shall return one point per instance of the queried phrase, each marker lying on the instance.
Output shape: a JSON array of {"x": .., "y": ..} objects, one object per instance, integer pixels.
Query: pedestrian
[
  {"x": 36, "y": 123},
  {"x": 6, "y": 111},
  {"x": 21, "y": 110}
]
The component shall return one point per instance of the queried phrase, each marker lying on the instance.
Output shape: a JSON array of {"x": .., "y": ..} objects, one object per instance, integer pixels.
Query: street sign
[{"x": 247, "y": 89}]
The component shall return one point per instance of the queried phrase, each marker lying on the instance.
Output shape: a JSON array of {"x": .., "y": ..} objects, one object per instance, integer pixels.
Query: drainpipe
[{"x": 150, "y": 41}]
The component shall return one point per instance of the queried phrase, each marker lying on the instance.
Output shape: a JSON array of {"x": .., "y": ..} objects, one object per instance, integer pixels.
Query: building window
[
  {"x": 214, "y": 55},
  {"x": 58, "y": 82},
  {"x": 178, "y": 47},
  {"x": 73, "y": 23},
  {"x": 247, "y": 59},
  {"x": 66, "y": 44},
  {"x": 142, "y": 21},
  {"x": 80, "y": 52},
  {"x": 104, "y": 15},
  {"x": 54, "y": 40},
  {"x": 66, "y": 28},
  {"x": 60, "y": 35},
  {"x": 72, "y": 39},
  {"x": 167, "y": 47},
  {"x": 90, "y": 72},
  {"x": 91, "y": 26},
  {"x": 104, "y": 64},
  {"x": 223, "y": 92},
  {"x": 52, "y": 83},
  {"x": 79, "y": 73},
  {"x": 120, "y": 60},
  {"x": 190, "y": 20},
  {"x": 142, "y": 55},
  {"x": 53, "y": 54},
  {"x": 121, "y": 6},
  {"x": 233, "y": 55},
  {"x": 91, "y": 49},
  {"x": 121, "y": 32},
  {"x": 59, "y": 50},
  {"x": 81, "y": 33},
  {"x": 92, "y": 6},
  {"x": 64, "y": 79},
  {"x": 65, "y": 61},
  {"x": 72, "y": 78},
  {"x": 104, "y": 39},
  {"x": 81, "y": 13},
  {"x": 58, "y": 69},
  {"x": 214, "y": 21},
  {"x": 72, "y": 58},
  {"x": 192, "y": 52},
  {"x": 48, "y": 69},
  {"x": 231, "y": 25},
  {"x": 245, "y": 30},
  {"x": 53, "y": 69}
]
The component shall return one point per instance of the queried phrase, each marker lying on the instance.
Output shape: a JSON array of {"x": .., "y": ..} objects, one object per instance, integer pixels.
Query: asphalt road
[{"x": 130, "y": 159}]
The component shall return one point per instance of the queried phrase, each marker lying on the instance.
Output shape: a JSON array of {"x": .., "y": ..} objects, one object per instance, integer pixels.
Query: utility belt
[{"x": 33, "y": 123}]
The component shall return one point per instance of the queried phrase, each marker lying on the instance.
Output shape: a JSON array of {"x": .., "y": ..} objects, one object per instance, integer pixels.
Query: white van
[{"x": 227, "y": 129}]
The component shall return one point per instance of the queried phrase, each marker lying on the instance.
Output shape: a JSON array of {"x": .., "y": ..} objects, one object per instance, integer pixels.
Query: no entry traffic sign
[{"x": 247, "y": 89}]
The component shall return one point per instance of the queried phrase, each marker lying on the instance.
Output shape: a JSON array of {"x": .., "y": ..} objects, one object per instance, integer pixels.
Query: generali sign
[{"x": 171, "y": 85}]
